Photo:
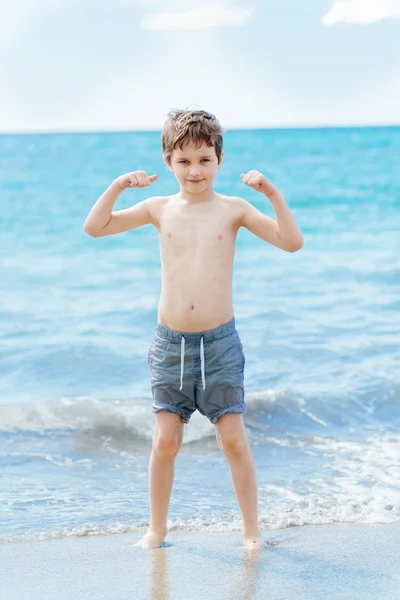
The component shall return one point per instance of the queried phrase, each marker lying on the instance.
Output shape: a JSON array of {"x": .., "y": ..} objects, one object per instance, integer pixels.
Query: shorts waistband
[{"x": 175, "y": 336}]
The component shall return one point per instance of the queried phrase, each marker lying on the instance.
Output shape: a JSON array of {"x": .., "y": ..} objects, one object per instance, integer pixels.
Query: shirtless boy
[{"x": 196, "y": 358}]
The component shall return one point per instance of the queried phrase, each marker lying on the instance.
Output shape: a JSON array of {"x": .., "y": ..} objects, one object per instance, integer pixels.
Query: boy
[{"x": 196, "y": 359}]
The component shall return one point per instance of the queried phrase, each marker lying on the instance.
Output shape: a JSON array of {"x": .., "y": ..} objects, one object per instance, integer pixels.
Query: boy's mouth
[{"x": 195, "y": 180}]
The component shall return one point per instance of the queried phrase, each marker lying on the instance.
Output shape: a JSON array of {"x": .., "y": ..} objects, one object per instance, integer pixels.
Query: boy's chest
[{"x": 199, "y": 232}]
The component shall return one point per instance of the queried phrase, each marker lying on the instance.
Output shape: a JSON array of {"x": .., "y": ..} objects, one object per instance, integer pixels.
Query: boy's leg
[
  {"x": 232, "y": 439},
  {"x": 167, "y": 440}
]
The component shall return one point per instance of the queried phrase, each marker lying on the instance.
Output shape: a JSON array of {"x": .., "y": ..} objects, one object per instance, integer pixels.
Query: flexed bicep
[{"x": 261, "y": 225}]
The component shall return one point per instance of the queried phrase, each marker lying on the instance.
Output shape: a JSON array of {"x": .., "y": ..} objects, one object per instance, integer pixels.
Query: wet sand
[{"x": 337, "y": 561}]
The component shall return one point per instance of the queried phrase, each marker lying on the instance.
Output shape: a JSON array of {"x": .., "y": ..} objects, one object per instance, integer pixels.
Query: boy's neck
[{"x": 196, "y": 199}]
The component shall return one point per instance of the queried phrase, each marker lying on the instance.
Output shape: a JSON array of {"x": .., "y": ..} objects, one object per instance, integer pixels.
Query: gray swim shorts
[{"x": 202, "y": 370}]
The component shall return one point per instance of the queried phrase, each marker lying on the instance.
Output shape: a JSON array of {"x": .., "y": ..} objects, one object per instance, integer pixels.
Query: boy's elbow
[
  {"x": 90, "y": 231},
  {"x": 295, "y": 245}
]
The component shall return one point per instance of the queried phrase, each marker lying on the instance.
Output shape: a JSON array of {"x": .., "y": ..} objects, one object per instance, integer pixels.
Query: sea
[{"x": 320, "y": 329}]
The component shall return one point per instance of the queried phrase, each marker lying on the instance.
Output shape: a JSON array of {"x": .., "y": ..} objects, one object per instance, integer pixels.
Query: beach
[
  {"x": 336, "y": 561},
  {"x": 320, "y": 334}
]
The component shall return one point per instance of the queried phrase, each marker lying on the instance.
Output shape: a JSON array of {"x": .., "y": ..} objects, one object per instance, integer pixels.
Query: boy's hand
[
  {"x": 258, "y": 181},
  {"x": 136, "y": 179}
]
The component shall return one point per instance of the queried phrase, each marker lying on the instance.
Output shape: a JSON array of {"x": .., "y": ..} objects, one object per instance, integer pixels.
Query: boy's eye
[{"x": 204, "y": 159}]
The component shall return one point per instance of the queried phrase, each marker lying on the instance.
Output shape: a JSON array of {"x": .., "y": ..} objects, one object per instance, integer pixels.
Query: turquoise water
[{"x": 320, "y": 329}]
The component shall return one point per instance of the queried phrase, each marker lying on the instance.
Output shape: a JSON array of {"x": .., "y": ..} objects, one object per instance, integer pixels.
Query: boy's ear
[{"x": 221, "y": 159}]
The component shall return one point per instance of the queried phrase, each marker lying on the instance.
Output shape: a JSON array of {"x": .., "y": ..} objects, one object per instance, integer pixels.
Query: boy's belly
[{"x": 195, "y": 302}]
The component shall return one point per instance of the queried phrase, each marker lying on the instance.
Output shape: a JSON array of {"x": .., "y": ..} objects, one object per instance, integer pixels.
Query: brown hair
[{"x": 195, "y": 126}]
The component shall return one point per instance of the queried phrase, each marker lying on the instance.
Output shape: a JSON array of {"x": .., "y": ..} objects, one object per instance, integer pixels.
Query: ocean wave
[{"x": 270, "y": 414}]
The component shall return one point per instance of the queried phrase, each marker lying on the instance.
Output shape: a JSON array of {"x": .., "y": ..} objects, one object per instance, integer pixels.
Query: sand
[{"x": 311, "y": 562}]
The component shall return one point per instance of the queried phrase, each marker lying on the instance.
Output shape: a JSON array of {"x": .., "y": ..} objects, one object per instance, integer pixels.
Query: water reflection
[
  {"x": 159, "y": 589},
  {"x": 249, "y": 575},
  {"x": 244, "y": 573}
]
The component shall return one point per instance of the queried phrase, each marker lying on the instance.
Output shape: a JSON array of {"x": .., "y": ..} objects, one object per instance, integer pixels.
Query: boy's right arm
[{"x": 102, "y": 221}]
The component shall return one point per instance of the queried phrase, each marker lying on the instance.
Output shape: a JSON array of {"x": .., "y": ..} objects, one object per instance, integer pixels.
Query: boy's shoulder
[
  {"x": 236, "y": 203},
  {"x": 237, "y": 200}
]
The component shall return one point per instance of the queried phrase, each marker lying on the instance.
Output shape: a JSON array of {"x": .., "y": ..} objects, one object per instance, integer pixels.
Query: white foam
[{"x": 359, "y": 483}]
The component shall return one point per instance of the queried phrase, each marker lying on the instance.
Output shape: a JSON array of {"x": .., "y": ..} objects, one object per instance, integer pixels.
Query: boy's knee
[
  {"x": 232, "y": 445},
  {"x": 166, "y": 445}
]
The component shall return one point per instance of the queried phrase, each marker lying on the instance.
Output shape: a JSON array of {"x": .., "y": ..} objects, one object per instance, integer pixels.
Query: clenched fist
[
  {"x": 258, "y": 181},
  {"x": 136, "y": 179}
]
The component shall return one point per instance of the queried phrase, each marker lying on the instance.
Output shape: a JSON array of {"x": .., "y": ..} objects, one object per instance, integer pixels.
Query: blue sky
[{"x": 72, "y": 65}]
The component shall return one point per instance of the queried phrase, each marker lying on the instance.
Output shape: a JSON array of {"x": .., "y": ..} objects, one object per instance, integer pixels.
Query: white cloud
[
  {"x": 165, "y": 3},
  {"x": 202, "y": 17},
  {"x": 18, "y": 15},
  {"x": 362, "y": 11}
]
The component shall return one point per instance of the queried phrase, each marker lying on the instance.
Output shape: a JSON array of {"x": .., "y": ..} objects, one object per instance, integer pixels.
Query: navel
[{"x": 192, "y": 307}]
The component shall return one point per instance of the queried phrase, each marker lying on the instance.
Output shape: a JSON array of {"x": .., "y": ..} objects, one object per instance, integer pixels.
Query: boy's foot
[
  {"x": 254, "y": 542},
  {"x": 152, "y": 539}
]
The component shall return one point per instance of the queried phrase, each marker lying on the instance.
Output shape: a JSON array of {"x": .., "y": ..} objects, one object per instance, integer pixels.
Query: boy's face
[{"x": 195, "y": 168}]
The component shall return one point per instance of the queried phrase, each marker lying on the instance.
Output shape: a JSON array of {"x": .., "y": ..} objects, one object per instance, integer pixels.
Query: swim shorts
[{"x": 201, "y": 371}]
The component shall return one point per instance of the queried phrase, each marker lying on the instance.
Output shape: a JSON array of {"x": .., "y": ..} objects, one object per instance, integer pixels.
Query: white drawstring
[
  {"x": 203, "y": 371},
  {"x": 202, "y": 361},
  {"x": 182, "y": 359}
]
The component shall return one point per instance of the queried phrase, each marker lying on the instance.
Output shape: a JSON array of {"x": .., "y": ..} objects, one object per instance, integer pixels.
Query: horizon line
[{"x": 226, "y": 129}]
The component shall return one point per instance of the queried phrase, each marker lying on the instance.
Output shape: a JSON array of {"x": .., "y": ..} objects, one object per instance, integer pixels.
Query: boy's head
[
  {"x": 192, "y": 144},
  {"x": 185, "y": 126}
]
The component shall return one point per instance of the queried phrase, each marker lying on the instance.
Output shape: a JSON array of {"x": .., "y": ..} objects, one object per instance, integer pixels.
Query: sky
[{"x": 100, "y": 65}]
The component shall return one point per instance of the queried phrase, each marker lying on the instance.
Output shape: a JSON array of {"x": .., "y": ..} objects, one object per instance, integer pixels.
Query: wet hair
[{"x": 196, "y": 126}]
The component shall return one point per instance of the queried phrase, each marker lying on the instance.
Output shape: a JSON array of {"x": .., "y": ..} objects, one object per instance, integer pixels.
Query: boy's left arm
[{"x": 284, "y": 232}]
